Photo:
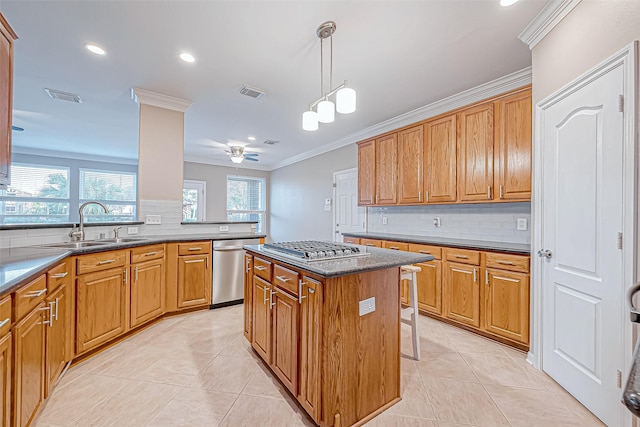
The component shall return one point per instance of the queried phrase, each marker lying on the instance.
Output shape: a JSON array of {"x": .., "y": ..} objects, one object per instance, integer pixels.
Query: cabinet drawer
[
  {"x": 507, "y": 262},
  {"x": 286, "y": 279},
  {"x": 352, "y": 240},
  {"x": 58, "y": 275},
  {"x": 100, "y": 261},
  {"x": 371, "y": 242},
  {"x": 29, "y": 296},
  {"x": 396, "y": 246},
  {"x": 463, "y": 256},
  {"x": 5, "y": 316},
  {"x": 435, "y": 251},
  {"x": 194, "y": 248},
  {"x": 262, "y": 268},
  {"x": 147, "y": 253}
]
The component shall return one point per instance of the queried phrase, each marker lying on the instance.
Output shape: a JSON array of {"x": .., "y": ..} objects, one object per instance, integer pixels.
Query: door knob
[{"x": 546, "y": 253}]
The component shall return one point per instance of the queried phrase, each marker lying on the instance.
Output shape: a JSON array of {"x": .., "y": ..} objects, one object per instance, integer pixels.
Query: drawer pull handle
[
  {"x": 106, "y": 261},
  {"x": 300, "y": 296},
  {"x": 60, "y": 275},
  {"x": 195, "y": 249},
  {"x": 461, "y": 256},
  {"x": 260, "y": 267},
  {"x": 504, "y": 262},
  {"x": 35, "y": 294},
  {"x": 283, "y": 279},
  {"x": 193, "y": 261},
  {"x": 395, "y": 248},
  {"x": 425, "y": 252},
  {"x": 475, "y": 277},
  {"x": 5, "y": 321},
  {"x": 369, "y": 244},
  {"x": 151, "y": 253}
]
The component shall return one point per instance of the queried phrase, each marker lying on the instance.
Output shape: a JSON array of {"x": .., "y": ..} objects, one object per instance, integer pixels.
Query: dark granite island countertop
[{"x": 376, "y": 259}]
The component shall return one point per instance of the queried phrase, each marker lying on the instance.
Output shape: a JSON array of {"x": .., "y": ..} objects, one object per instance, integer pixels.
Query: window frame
[
  {"x": 261, "y": 225},
  {"x": 108, "y": 202},
  {"x": 201, "y": 205}
]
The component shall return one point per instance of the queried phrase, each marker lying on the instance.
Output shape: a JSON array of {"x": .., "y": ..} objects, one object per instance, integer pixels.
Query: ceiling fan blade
[
  {"x": 251, "y": 154},
  {"x": 251, "y": 159}
]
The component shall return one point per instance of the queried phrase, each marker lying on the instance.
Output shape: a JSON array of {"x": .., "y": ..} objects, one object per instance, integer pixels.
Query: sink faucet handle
[
  {"x": 116, "y": 231},
  {"x": 75, "y": 233}
]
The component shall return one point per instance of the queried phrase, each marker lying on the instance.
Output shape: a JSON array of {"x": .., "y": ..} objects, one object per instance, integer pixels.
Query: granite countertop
[
  {"x": 377, "y": 259},
  {"x": 18, "y": 265},
  {"x": 514, "y": 248}
]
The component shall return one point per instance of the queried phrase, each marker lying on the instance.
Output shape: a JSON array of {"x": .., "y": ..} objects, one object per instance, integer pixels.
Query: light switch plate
[
  {"x": 153, "y": 219},
  {"x": 367, "y": 306},
  {"x": 521, "y": 224},
  {"x": 132, "y": 230},
  {"x": 224, "y": 228}
]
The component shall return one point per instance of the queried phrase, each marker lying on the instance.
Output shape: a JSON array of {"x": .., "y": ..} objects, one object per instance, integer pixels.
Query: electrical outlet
[
  {"x": 132, "y": 230},
  {"x": 367, "y": 306},
  {"x": 224, "y": 228},
  {"x": 521, "y": 224},
  {"x": 385, "y": 220},
  {"x": 153, "y": 219}
]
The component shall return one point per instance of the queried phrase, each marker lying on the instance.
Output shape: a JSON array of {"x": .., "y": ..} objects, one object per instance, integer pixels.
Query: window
[
  {"x": 246, "y": 200},
  {"x": 193, "y": 200},
  {"x": 117, "y": 190},
  {"x": 37, "y": 194}
]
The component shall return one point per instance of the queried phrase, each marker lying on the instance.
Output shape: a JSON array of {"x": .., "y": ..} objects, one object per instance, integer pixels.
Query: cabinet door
[
  {"x": 440, "y": 173},
  {"x": 248, "y": 296},
  {"x": 366, "y": 173},
  {"x": 261, "y": 318},
  {"x": 29, "y": 375},
  {"x": 56, "y": 330},
  {"x": 475, "y": 153},
  {"x": 462, "y": 293},
  {"x": 194, "y": 281},
  {"x": 6, "y": 91},
  {"x": 430, "y": 287},
  {"x": 513, "y": 147},
  {"x": 284, "y": 333},
  {"x": 101, "y": 307},
  {"x": 5, "y": 379},
  {"x": 386, "y": 169},
  {"x": 147, "y": 291},
  {"x": 410, "y": 165},
  {"x": 310, "y": 345},
  {"x": 507, "y": 304}
]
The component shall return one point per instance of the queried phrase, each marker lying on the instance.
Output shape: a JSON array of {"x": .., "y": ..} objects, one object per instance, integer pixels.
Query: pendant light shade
[
  {"x": 326, "y": 111},
  {"x": 346, "y": 100},
  {"x": 310, "y": 120}
]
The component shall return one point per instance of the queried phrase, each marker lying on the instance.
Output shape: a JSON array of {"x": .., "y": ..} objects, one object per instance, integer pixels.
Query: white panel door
[
  {"x": 349, "y": 216},
  {"x": 582, "y": 216}
]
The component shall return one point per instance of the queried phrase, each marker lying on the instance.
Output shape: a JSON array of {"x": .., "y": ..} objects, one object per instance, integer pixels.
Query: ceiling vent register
[
  {"x": 64, "y": 96},
  {"x": 270, "y": 142},
  {"x": 251, "y": 91}
]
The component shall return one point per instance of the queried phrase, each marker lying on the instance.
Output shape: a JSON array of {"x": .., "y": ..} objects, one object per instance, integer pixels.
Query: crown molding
[
  {"x": 155, "y": 99},
  {"x": 75, "y": 156},
  {"x": 487, "y": 90},
  {"x": 546, "y": 20}
]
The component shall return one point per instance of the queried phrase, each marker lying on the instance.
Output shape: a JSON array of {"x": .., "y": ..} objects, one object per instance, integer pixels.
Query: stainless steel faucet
[{"x": 78, "y": 234}]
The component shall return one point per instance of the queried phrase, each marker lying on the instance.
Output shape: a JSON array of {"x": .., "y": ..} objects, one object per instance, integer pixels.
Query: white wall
[{"x": 298, "y": 192}]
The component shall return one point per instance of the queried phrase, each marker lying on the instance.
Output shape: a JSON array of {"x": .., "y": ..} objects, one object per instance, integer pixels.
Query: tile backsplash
[{"x": 494, "y": 222}]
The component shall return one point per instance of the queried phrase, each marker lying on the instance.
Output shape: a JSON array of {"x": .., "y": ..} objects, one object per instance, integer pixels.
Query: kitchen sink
[
  {"x": 74, "y": 245},
  {"x": 122, "y": 240}
]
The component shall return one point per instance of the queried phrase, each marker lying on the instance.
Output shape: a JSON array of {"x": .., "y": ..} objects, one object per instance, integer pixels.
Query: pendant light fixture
[{"x": 345, "y": 96}]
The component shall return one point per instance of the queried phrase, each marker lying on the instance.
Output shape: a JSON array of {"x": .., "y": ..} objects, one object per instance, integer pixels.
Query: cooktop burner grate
[{"x": 313, "y": 250}]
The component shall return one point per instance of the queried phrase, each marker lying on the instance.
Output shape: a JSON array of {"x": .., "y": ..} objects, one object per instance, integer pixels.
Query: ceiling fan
[{"x": 237, "y": 154}]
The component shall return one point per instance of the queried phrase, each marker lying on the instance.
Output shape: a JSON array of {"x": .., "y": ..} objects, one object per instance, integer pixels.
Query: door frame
[
  {"x": 334, "y": 212},
  {"x": 626, "y": 58}
]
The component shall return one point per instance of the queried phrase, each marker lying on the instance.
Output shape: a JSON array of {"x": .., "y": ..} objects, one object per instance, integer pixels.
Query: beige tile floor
[{"x": 198, "y": 370}]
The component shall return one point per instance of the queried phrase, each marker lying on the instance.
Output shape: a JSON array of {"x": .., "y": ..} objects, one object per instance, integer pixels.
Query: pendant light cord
[
  {"x": 321, "y": 70},
  {"x": 331, "y": 63}
]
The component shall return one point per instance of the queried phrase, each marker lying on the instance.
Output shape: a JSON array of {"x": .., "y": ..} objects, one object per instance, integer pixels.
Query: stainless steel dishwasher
[{"x": 228, "y": 271}]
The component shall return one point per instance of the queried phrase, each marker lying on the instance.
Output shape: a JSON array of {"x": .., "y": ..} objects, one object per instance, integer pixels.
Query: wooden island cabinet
[{"x": 342, "y": 366}]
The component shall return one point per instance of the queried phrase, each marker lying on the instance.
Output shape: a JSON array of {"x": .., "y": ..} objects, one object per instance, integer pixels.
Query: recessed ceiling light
[
  {"x": 251, "y": 138},
  {"x": 507, "y": 2},
  {"x": 95, "y": 49},
  {"x": 187, "y": 57}
]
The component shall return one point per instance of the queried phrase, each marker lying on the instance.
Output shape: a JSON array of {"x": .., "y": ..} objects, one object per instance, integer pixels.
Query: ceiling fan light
[
  {"x": 346, "y": 100},
  {"x": 310, "y": 120},
  {"x": 506, "y": 3},
  {"x": 237, "y": 159},
  {"x": 326, "y": 111}
]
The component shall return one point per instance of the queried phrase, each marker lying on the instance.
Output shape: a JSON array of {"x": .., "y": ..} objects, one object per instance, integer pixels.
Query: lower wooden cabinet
[
  {"x": 6, "y": 361},
  {"x": 284, "y": 338},
  {"x": 248, "y": 296},
  {"x": 59, "y": 303},
  {"x": 102, "y": 307},
  {"x": 462, "y": 293},
  {"x": 262, "y": 318},
  {"x": 29, "y": 374},
  {"x": 310, "y": 345},
  {"x": 430, "y": 287},
  {"x": 194, "y": 280},
  {"x": 506, "y": 304},
  {"x": 147, "y": 291}
]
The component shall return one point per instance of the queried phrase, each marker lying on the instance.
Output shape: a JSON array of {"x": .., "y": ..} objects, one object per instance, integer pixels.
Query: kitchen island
[{"x": 329, "y": 330}]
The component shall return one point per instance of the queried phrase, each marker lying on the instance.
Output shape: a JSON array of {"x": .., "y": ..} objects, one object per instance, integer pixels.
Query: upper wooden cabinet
[
  {"x": 386, "y": 169},
  {"x": 7, "y": 36},
  {"x": 513, "y": 146},
  {"x": 475, "y": 153},
  {"x": 440, "y": 159},
  {"x": 410, "y": 165},
  {"x": 366, "y": 172}
]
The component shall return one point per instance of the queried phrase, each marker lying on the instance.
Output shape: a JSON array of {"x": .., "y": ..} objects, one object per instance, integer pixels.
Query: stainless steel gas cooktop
[{"x": 313, "y": 250}]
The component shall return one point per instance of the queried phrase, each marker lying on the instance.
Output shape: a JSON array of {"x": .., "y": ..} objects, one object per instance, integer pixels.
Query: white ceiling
[{"x": 397, "y": 55}]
